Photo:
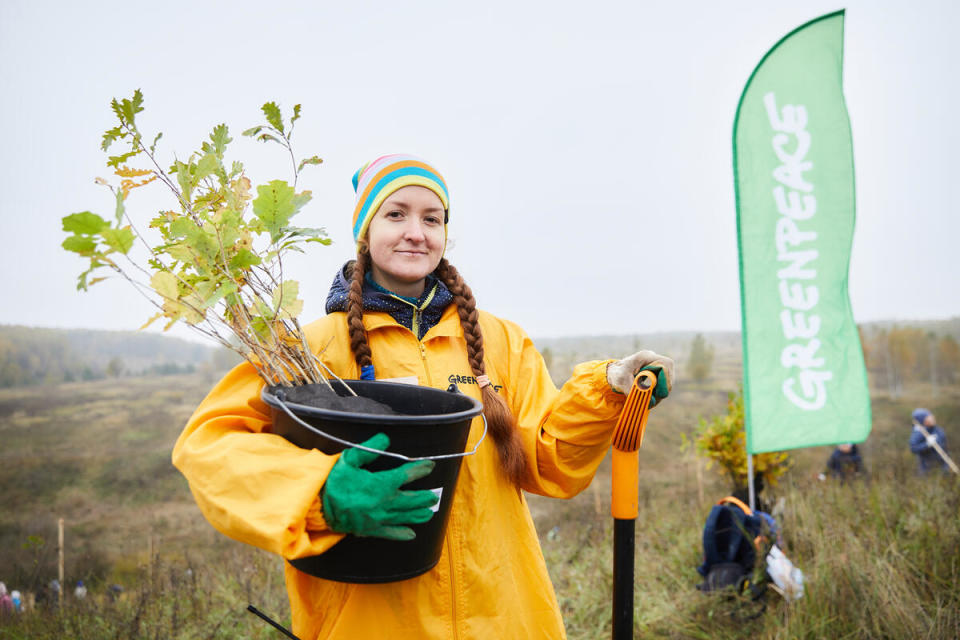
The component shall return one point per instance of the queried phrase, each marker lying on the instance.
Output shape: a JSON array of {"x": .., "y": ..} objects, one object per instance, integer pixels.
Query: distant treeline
[
  {"x": 31, "y": 355},
  {"x": 895, "y": 351},
  {"x": 923, "y": 350},
  {"x": 897, "y": 354}
]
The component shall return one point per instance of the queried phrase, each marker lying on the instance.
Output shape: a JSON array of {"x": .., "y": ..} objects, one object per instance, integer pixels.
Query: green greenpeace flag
[{"x": 805, "y": 383}]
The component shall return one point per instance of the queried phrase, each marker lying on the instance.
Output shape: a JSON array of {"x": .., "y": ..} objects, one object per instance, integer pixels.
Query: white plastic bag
[{"x": 788, "y": 578}]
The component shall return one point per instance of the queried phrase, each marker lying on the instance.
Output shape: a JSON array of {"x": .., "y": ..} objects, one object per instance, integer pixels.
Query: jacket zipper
[
  {"x": 423, "y": 358},
  {"x": 453, "y": 591}
]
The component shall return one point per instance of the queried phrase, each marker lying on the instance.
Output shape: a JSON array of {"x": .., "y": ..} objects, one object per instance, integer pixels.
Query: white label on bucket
[
  {"x": 403, "y": 380},
  {"x": 439, "y": 492}
]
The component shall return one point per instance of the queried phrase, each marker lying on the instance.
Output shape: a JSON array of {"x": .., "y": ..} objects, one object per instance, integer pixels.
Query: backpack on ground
[{"x": 733, "y": 537}]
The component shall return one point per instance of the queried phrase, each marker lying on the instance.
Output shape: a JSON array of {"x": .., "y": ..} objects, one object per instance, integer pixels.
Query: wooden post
[
  {"x": 699, "y": 480},
  {"x": 60, "y": 561}
]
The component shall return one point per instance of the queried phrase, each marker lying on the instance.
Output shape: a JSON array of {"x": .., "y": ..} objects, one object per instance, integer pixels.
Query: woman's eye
[
  {"x": 432, "y": 220},
  {"x": 395, "y": 214}
]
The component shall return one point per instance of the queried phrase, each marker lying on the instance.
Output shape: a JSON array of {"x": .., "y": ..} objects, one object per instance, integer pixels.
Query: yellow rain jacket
[{"x": 491, "y": 580}]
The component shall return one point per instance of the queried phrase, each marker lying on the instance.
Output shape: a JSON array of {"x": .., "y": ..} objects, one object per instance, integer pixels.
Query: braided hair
[{"x": 500, "y": 420}]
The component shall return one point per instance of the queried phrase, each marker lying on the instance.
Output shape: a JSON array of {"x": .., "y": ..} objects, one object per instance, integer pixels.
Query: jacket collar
[
  {"x": 447, "y": 326},
  {"x": 428, "y": 309}
]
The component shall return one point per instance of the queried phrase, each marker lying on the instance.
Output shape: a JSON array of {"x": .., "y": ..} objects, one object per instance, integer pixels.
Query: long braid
[
  {"x": 500, "y": 420},
  {"x": 358, "y": 335}
]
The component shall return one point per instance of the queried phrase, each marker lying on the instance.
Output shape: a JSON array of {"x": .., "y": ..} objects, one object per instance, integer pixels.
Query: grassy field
[{"x": 881, "y": 557}]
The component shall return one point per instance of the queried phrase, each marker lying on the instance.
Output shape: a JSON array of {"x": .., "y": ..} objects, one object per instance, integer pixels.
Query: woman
[{"x": 401, "y": 311}]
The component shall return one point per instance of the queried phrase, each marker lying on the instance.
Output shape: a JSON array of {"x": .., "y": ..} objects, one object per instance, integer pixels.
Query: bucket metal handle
[{"x": 283, "y": 405}]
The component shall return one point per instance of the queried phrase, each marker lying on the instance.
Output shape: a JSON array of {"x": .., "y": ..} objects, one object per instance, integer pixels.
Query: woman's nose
[{"x": 414, "y": 231}]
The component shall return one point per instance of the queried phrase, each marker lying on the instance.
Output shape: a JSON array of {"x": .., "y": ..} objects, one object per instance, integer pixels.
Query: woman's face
[
  {"x": 406, "y": 238},
  {"x": 930, "y": 421}
]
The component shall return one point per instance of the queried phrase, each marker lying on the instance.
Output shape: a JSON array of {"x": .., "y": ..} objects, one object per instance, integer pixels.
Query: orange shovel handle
[{"x": 627, "y": 437}]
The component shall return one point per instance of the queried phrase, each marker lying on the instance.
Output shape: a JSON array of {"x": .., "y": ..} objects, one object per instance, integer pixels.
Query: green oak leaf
[
  {"x": 260, "y": 327},
  {"x": 272, "y": 113},
  {"x": 206, "y": 166},
  {"x": 120, "y": 210},
  {"x": 83, "y": 245},
  {"x": 110, "y": 136},
  {"x": 179, "y": 252},
  {"x": 285, "y": 302},
  {"x": 118, "y": 239},
  {"x": 183, "y": 178},
  {"x": 275, "y": 204},
  {"x": 310, "y": 160},
  {"x": 127, "y": 110},
  {"x": 220, "y": 138},
  {"x": 153, "y": 146},
  {"x": 116, "y": 161},
  {"x": 223, "y": 290},
  {"x": 244, "y": 259},
  {"x": 85, "y": 223}
]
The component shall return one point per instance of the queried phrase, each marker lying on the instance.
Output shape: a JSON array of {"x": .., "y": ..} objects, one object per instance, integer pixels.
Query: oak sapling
[
  {"x": 215, "y": 259},
  {"x": 722, "y": 440}
]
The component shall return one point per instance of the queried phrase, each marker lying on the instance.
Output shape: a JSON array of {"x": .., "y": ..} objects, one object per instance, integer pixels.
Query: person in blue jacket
[
  {"x": 845, "y": 462},
  {"x": 924, "y": 434}
]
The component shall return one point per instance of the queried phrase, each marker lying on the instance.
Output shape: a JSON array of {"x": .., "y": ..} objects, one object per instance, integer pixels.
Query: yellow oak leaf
[
  {"x": 165, "y": 283},
  {"x": 241, "y": 188},
  {"x": 127, "y": 172}
]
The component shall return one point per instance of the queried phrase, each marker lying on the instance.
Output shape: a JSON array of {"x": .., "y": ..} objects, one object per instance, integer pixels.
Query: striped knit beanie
[{"x": 376, "y": 180}]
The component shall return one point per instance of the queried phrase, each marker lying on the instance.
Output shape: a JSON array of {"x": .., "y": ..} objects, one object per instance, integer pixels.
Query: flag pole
[{"x": 752, "y": 494}]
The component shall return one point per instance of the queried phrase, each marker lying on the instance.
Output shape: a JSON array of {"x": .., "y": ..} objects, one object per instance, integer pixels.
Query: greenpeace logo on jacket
[{"x": 455, "y": 379}]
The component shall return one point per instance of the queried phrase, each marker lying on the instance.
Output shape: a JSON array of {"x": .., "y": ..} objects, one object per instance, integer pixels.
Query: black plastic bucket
[{"x": 435, "y": 425}]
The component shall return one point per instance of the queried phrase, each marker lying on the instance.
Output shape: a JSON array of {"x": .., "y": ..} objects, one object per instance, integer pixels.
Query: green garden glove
[
  {"x": 370, "y": 503},
  {"x": 620, "y": 374}
]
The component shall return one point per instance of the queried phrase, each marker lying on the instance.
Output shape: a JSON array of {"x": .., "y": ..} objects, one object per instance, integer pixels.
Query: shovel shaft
[
  {"x": 623, "y": 546},
  {"x": 946, "y": 458},
  {"x": 936, "y": 447},
  {"x": 627, "y": 436}
]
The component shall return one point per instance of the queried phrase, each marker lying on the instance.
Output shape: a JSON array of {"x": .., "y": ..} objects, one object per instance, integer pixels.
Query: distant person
[
  {"x": 17, "y": 602},
  {"x": 6, "y": 602},
  {"x": 80, "y": 592},
  {"x": 114, "y": 592},
  {"x": 845, "y": 462},
  {"x": 53, "y": 593},
  {"x": 924, "y": 439}
]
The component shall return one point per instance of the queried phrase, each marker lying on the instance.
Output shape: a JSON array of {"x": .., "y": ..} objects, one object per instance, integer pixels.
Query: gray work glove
[{"x": 620, "y": 374}]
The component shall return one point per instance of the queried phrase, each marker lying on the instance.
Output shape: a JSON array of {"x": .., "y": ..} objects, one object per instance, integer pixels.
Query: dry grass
[{"x": 881, "y": 557}]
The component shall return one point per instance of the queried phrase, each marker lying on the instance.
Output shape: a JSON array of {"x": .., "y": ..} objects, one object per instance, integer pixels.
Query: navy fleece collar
[{"x": 428, "y": 307}]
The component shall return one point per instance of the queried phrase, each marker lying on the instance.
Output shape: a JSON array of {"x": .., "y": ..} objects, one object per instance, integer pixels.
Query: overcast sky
[{"x": 587, "y": 145}]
